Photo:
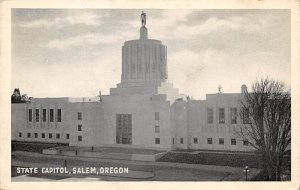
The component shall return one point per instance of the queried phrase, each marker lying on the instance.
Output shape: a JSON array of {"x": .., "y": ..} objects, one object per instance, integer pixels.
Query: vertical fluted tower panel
[{"x": 144, "y": 60}]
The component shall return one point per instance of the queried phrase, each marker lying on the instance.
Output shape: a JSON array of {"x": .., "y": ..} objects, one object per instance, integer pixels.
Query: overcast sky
[{"x": 64, "y": 52}]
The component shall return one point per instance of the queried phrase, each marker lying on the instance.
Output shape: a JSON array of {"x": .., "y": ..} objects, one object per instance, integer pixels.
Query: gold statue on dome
[{"x": 143, "y": 18}]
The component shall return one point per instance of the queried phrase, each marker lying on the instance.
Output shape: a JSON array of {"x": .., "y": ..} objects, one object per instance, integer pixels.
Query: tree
[
  {"x": 25, "y": 98},
  {"x": 269, "y": 130},
  {"x": 16, "y": 97}
]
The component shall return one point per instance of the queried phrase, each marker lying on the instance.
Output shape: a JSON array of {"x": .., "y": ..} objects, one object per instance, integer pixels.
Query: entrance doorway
[{"x": 124, "y": 128}]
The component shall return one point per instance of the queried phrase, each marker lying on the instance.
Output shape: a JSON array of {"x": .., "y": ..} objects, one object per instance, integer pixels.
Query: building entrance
[{"x": 124, "y": 128}]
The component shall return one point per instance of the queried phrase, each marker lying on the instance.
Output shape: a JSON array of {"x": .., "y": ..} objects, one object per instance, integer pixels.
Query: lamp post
[{"x": 246, "y": 170}]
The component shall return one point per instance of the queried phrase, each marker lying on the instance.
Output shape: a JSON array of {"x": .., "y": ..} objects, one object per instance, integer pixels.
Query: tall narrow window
[
  {"x": 181, "y": 140},
  {"x": 43, "y": 135},
  {"x": 35, "y": 135},
  {"x": 79, "y": 115},
  {"x": 119, "y": 131},
  {"x": 79, "y": 138},
  {"x": 30, "y": 115},
  {"x": 67, "y": 136},
  {"x": 195, "y": 140},
  {"x": 50, "y": 135},
  {"x": 79, "y": 127},
  {"x": 246, "y": 118},
  {"x": 44, "y": 115},
  {"x": 57, "y": 135},
  {"x": 221, "y": 141},
  {"x": 51, "y": 115},
  {"x": 221, "y": 115},
  {"x": 157, "y": 140},
  {"x": 156, "y": 115},
  {"x": 209, "y": 141},
  {"x": 20, "y": 134},
  {"x": 173, "y": 140},
  {"x": 245, "y": 142},
  {"x": 59, "y": 115},
  {"x": 28, "y": 135},
  {"x": 209, "y": 115},
  {"x": 233, "y": 141},
  {"x": 233, "y": 113},
  {"x": 37, "y": 115},
  {"x": 157, "y": 129}
]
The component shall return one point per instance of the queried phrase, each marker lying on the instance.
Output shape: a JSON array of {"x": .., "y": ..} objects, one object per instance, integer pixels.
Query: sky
[{"x": 77, "y": 52}]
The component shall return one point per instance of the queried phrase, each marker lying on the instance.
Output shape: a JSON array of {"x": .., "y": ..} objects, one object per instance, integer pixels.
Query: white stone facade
[{"x": 144, "y": 110}]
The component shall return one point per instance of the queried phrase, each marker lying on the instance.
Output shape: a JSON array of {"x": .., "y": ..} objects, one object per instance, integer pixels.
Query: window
[
  {"x": 246, "y": 118},
  {"x": 20, "y": 134},
  {"x": 195, "y": 140},
  {"x": 57, "y": 135},
  {"x": 79, "y": 115},
  {"x": 67, "y": 136},
  {"x": 51, "y": 115},
  {"x": 233, "y": 141},
  {"x": 28, "y": 135},
  {"x": 44, "y": 115},
  {"x": 156, "y": 115},
  {"x": 181, "y": 140},
  {"x": 209, "y": 141},
  {"x": 37, "y": 115},
  {"x": 173, "y": 140},
  {"x": 79, "y": 127},
  {"x": 245, "y": 142},
  {"x": 35, "y": 135},
  {"x": 157, "y": 140},
  {"x": 233, "y": 113},
  {"x": 59, "y": 115},
  {"x": 30, "y": 115},
  {"x": 210, "y": 115},
  {"x": 50, "y": 135},
  {"x": 221, "y": 141},
  {"x": 221, "y": 115},
  {"x": 157, "y": 129},
  {"x": 43, "y": 135},
  {"x": 79, "y": 138},
  {"x": 124, "y": 128}
]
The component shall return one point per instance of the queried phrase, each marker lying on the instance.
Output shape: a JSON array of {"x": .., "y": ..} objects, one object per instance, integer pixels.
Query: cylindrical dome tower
[
  {"x": 144, "y": 60},
  {"x": 144, "y": 68}
]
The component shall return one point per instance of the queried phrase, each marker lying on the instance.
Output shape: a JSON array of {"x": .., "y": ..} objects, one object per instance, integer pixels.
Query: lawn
[
  {"x": 38, "y": 147},
  {"x": 33, "y": 146},
  {"x": 123, "y": 150},
  {"x": 210, "y": 158}
]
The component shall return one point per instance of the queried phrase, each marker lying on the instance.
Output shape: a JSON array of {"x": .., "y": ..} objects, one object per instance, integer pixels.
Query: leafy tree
[
  {"x": 16, "y": 97},
  {"x": 268, "y": 108}
]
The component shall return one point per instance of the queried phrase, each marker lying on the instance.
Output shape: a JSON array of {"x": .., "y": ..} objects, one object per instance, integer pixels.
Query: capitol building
[{"x": 144, "y": 110}]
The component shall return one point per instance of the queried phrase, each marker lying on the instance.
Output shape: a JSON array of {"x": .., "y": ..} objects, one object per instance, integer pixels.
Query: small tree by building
[
  {"x": 16, "y": 97},
  {"x": 268, "y": 108}
]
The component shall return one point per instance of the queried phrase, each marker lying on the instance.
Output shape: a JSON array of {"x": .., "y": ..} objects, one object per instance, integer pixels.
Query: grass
[
  {"x": 38, "y": 147},
  {"x": 226, "y": 159},
  {"x": 33, "y": 146},
  {"x": 210, "y": 158},
  {"x": 110, "y": 150}
]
